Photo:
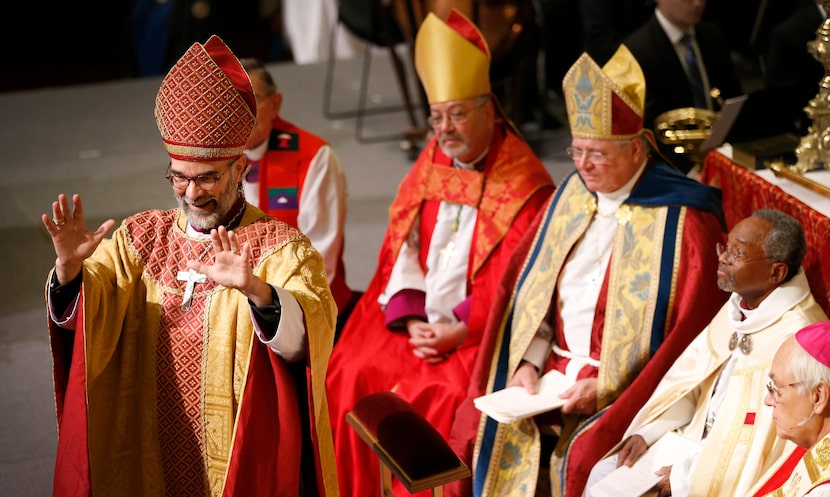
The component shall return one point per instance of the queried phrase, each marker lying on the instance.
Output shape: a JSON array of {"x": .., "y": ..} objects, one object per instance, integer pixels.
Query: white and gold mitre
[{"x": 605, "y": 103}]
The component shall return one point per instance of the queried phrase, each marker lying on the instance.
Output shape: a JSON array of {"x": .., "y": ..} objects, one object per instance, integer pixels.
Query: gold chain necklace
[{"x": 204, "y": 252}]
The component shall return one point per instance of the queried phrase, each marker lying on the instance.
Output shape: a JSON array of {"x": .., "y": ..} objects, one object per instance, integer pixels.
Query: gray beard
[
  {"x": 455, "y": 152},
  {"x": 727, "y": 286},
  {"x": 209, "y": 221}
]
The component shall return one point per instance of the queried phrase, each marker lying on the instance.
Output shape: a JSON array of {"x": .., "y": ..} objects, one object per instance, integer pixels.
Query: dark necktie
[{"x": 693, "y": 73}]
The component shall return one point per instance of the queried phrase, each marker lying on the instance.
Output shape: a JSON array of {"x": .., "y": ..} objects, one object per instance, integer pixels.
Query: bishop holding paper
[{"x": 617, "y": 275}]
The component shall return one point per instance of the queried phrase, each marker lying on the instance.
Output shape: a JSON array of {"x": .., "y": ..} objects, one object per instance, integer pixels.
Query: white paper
[
  {"x": 514, "y": 403},
  {"x": 640, "y": 478}
]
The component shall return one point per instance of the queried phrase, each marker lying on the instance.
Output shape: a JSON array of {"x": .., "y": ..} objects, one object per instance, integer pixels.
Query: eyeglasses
[
  {"x": 458, "y": 116},
  {"x": 734, "y": 254},
  {"x": 203, "y": 181},
  {"x": 775, "y": 390},
  {"x": 595, "y": 156}
]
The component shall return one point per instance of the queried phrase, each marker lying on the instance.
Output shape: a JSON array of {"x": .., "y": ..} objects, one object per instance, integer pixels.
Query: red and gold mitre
[
  {"x": 452, "y": 58},
  {"x": 606, "y": 103},
  {"x": 205, "y": 108}
]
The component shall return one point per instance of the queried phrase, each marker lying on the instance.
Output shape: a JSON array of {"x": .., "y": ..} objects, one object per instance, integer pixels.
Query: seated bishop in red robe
[{"x": 458, "y": 215}]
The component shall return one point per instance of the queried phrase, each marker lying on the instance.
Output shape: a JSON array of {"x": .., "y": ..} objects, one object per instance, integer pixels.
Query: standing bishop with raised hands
[{"x": 177, "y": 342}]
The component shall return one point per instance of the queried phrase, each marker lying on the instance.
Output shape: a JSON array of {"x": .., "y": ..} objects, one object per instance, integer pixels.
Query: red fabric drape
[
  {"x": 72, "y": 471},
  {"x": 745, "y": 192}
]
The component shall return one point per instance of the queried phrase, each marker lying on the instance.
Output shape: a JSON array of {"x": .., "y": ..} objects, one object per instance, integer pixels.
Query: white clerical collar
[
  {"x": 673, "y": 32},
  {"x": 609, "y": 203},
  {"x": 779, "y": 301},
  {"x": 257, "y": 152},
  {"x": 470, "y": 166}
]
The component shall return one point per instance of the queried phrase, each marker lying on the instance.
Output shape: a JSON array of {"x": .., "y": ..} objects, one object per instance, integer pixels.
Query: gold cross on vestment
[{"x": 191, "y": 277}]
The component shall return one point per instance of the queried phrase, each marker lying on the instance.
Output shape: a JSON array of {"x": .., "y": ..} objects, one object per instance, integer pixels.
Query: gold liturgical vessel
[
  {"x": 686, "y": 129},
  {"x": 813, "y": 151}
]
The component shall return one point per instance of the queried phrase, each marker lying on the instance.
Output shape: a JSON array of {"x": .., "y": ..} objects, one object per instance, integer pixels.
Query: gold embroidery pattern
[
  {"x": 735, "y": 445},
  {"x": 405, "y": 209},
  {"x": 512, "y": 180},
  {"x": 226, "y": 347},
  {"x": 199, "y": 370},
  {"x": 507, "y": 186},
  {"x": 822, "y": 454},
  {"x": 817, "y": 460},
  {"x": 518, "y": 461},
  {"x": 632, "y": 289},
  {"x": 179, "y": 350},
  {"x": 793, "y": 486},
  {"x": 180, "y": 347},
  {"x": 228, "y": 354},
  {"x": 572, "y": 216},
  {"x": 514, "y": 463},
  {"x": 454, "y": 185},
  {"x": 631, "y": 300}
]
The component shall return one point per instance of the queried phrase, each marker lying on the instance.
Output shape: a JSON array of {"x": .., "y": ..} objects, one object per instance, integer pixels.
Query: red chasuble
[
  {"x": 155, "y": 400},
  {"x": 368, "y": 357}
]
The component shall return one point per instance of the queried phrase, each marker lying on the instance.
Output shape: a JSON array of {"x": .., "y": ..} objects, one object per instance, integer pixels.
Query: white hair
[{"x": 807, "y": 371}]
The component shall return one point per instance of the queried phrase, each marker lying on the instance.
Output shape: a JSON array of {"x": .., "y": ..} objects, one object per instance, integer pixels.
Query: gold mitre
[
  {"x": 452, "y": 59},
  {"x": 607, "y": 103}
]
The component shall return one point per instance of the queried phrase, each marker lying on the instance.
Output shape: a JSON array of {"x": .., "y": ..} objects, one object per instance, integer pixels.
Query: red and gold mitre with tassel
[
  {"x": 605, "y": 103},
  {"x": 205, "y": 108}
]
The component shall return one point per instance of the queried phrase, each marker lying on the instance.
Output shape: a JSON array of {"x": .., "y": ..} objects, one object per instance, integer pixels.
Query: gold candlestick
[{"x": 814, "y": 149}]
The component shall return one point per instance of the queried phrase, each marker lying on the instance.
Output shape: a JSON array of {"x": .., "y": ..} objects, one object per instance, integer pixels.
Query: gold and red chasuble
[
  {"x": 180, "y": 349},
  {"x": 158, "y": 401}
]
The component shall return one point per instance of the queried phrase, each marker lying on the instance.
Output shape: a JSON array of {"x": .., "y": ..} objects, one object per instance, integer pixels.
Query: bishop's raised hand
[{"x": 73, "y": 241}]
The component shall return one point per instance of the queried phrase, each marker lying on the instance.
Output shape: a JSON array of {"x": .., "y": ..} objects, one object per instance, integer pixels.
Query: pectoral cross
[
  {"x": 191, "y": 277},
  {"x": 447, "y": 253}
]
